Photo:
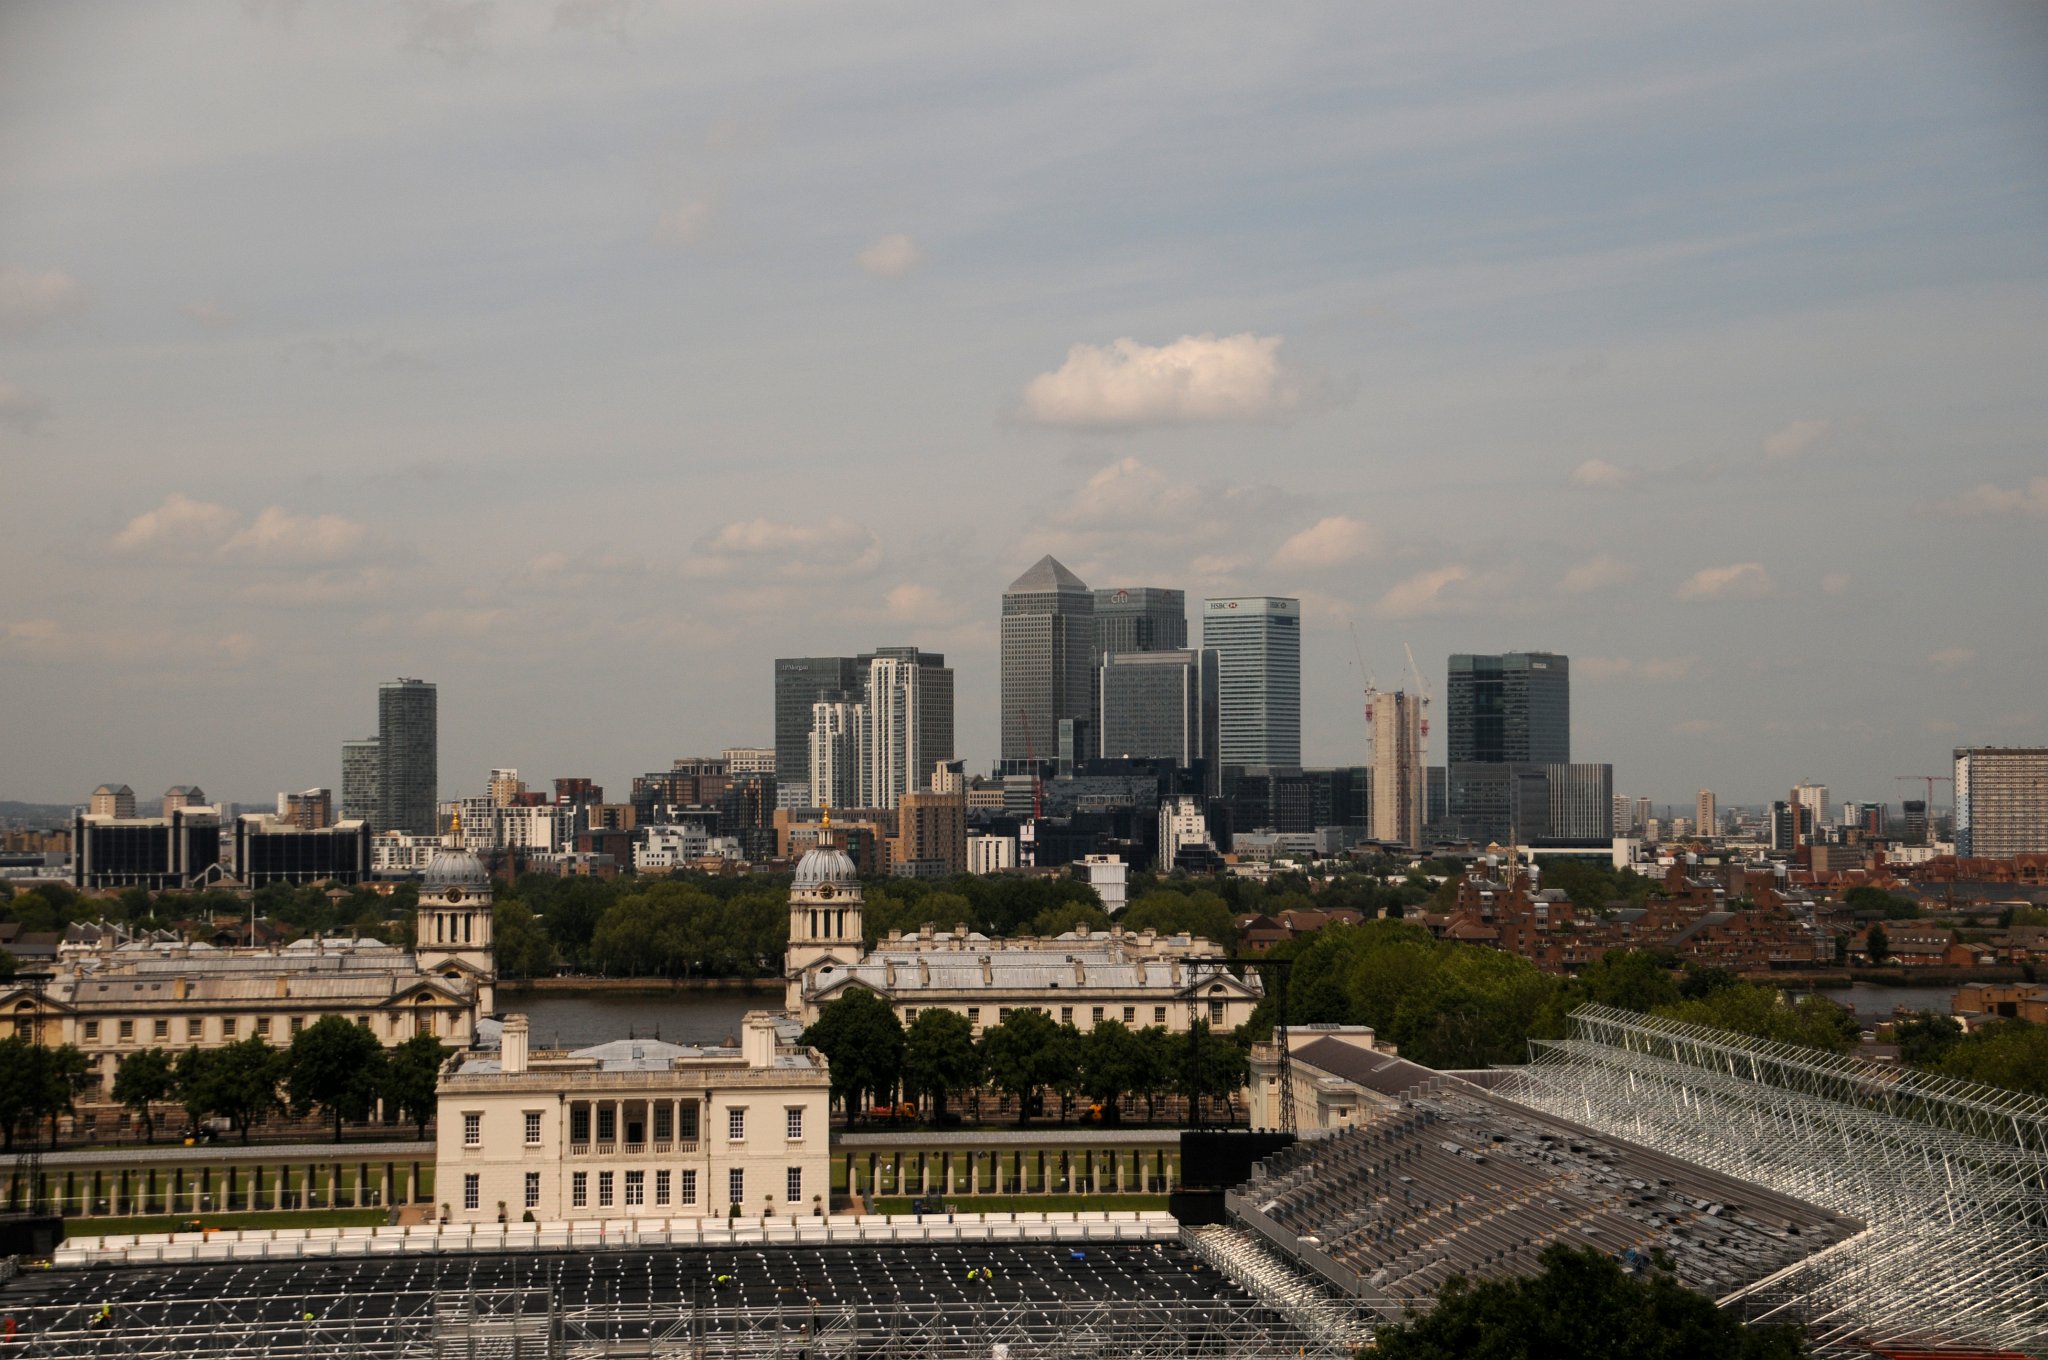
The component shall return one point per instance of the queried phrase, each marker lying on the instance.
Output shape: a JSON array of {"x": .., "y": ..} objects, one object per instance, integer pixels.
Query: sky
[{"x": 584, "y": 357}]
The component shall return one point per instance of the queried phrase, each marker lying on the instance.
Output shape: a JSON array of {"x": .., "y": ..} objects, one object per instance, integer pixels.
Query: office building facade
[
  {"x": 800, "y": 682},
  {"x": 1399, "y": 790},
  {"x": 1512, "y": 708},
  {"x": 1048, "y": 662},
  {"x": 1257, "y": 640},
  {"x": 408, "y": 768},
  {"x": 157, "y": 853},
  {"x": 361, "y": 767},
  {"x": 2001, "y": 801},
  {"x": 1581, "y": 799},
  {"x": 1162, "y": 705},
  {"x": 1140, "y": 619}
]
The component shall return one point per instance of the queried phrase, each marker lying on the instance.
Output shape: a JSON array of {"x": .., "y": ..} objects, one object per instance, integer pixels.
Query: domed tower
[
  {"x": 824, "y": 912},
  {"x": 453, "y": 924}
]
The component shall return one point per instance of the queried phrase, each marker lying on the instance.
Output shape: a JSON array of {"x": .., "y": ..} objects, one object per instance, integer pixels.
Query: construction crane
[
  {"x": 1930, "y": 780},
  {"x": 1422, "y": 689},
  {"x": 1372, "y": 689}
]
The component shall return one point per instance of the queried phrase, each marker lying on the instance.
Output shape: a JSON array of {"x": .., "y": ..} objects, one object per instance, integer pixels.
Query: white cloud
[
  {"x": 1795, "y": 439},
  {"x": 683, "y": 224},
  {"x": 592, "y": 15},
  {"x": 277, "y": 535},
  {"x": 1949, "y": 660},
  {"x": 1423, "y": 593},
  {"x": 23, "y": 411},
  {"x": 891, "y": 257},
  {"x": 792, "y": 552},
  {"x": 211, "y": 315},
  {"x": 2030, "y": 501},
  {"x": 321, "y": 588},
  {"x": 1657, "y": 669},
  {"x": 1741, "y": 580},
  {"x": 467, "y": 623},
  {"x": 453, "y": 30},
  {"x": 913, "y": 603},
  {"x": 1329, "y": 542},
  {"x": 1601, "y": 475},
  {"x": 1696, "y": 727},
  {"x": 1196, "y": 379},
  {"x": 180, "y": 525},
  {"x": 1596, "y": 573},
  {"x": 1836, "y": 582},
  {"x": 29, "y": 299}
]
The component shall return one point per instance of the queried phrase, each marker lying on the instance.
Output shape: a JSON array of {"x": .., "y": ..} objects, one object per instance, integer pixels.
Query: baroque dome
[
  {"x": 822, "y": 864},
  {"x": 456, "y": 868}
]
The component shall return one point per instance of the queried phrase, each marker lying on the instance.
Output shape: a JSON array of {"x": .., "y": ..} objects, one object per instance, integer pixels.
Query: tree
[
  {"x": 238, "y": 1082},
  {"x": 411, "y": 1073},
  {"x": 2010, "y": 1053},
  {"x": 1926, "y": 1038},
  {"x": 1749, "y": 1008},
  {"x": 9, "y": 965},
  {"x": 519, "y": 944},
  {"x": 145, "y": 1079},
  {"x": 336, "y": 1066},
  {"x": 1158, "y": 1066},
  {"x": 1876, "y": 943},
  {"x": 939, "y": 1058},
  {"x": 37, "y": 1083},
  {"x": 1203, "y": 914},
  {"x": 1113, "y": 1063},
  {"x": 1022, "y": 1054},
  {"x": 862, "y": 1041},
  {"x": 1582, "y": 1304},
  {"x": 1631, "y": 979},
  {"x": 1212, "y": 1065}
]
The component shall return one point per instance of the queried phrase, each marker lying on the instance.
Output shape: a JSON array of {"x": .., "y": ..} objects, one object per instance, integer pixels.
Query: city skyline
[{"x": 596, "y": 364}]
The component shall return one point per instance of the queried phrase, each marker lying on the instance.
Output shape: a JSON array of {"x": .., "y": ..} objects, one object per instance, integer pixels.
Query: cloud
[
  {"x": 1795, "y": 439},
  {"x": 211, "y": 315},
  {"x": 453, "y": 30},
  {"x": 277, "y": 535},
  {"x": 320, "y": 588},
  {"x": 1600, "y": 475},
  {"x": 1696, "y": 727},
  {"x": 459, "y": 622},
  {"x": 1422, "y": 593},
  {"x": 684, "y": 224},
  {"x": 180, "y": 524},
  {"x": 1739, "y": 581},
  {"x": 592, "y": 15},
  {"x": 49, "y": 640},
  {"x": 1329, "y": 542},
  {"x": 23, "y": 411},
  {"x": 31, "y": 300},
  {"x": 790, "y": 552},
  {"x": 1949, "y": 660},
  {"x": 1596, "y": 573},
  {"x": 1601, "y": 669},
  {"x": 1197, "y": 379},
  {"x": 1836, "y": 582},
  {"x": 891, "y": 257},
  {"x": 2029, "y": 501}
]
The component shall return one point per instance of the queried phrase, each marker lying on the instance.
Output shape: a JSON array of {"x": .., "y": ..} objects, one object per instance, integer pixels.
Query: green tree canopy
[
  {"x": 862, "y": 1041},
  {"x": 1582, "y": 1305},
  {"x": 411, "y": 1073},
  {"x": 238, "y": 1082},
  {"x": 1631, "y": 979},
  {"x": 1113, "y": 1063},
  {"x": 939, "y": 1057},
  {"x": 1750, "y": 1008},
  {"x": 336, "y": 1066},
  {"x": 1199, "y": 913},
  {"x": 520, "y": 945},
  {"x": 1023, "y": 1053},
  {"x": 2009, "y": 1053},
  {"x": 147, "y": 1078}
]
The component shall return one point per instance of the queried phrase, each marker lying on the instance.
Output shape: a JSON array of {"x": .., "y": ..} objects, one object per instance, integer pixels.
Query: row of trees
[{"x": 873, "y": 1059}]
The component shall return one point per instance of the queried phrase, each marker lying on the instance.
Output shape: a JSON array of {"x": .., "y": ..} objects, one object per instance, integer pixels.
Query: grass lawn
[
  {"x": 290, "y": 1218},
  {"x": 1027, "y": 1204}
]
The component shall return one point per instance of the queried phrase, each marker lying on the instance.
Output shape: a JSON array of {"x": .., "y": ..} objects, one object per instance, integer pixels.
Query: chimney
[
  {"x": 283, "y": 985},
  {"x": 512, "y": 1045},
  {"x": 180, "y": 989},
  {"x": 924, "y": 973},
  {"x": 988, "y": 972},
  {"x": 889, "y": 973},
  {"x": 1080, "y": 972},
  {"x": 757, "y": 1039}
]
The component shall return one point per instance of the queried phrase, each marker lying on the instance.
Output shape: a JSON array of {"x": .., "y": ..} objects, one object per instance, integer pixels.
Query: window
[
  {"x": 636, "y": 1189},
  {"x": 298, "y": 1023},
  {"x": 1130, "y": 1015},
  {"x": 1002, "y": 1014},
  {"x": 579, "y": 1189},
  {"x": 1066, "y": 1015},
  {"x": 263, "y": 1025},
  {"x": 363, "y": 1020},
  {"x": 909, "y": 1014},
  {"x": 664, "y": 1122},
  {"x": 470, "y": 1192},
  {"x": 687, "y": 1186},
  {"x": 533, "y": 1189},
  {"x": 579, "y": 1123},
  {"x": 472, "y": 1130},
  {"x": 974, "y": 1016},
  {"x": 736, "y": 1124},
  {"x": 686, "y": 1126},
  {"x": 195, "y": 1029},
  {"x": 1159, "y": 1015},
  {"x": 127, "y": 1030},
  {"x": 736, "y": 1186},
  {"x": 795, "y": 1131},
  {"x": 661, "y": 1184},
  {"x": 533, "y": 1128},
  {"x": 1096, "y": 1017},
  {"x": 607, "y": 1123},
  {"x": 1215, "y": 1012},
  {"x": 604, "y": 1189},
  {"x": 92, "y": 1029},
  {"x": 160, "y": 1030},
  {"x": 227, "y": 1028},
  {"x": 795, "y": 1186}
]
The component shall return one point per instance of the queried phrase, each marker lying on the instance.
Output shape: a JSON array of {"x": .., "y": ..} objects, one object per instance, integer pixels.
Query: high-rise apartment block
[
  {"x": 1399, "y": 793},
  {"x": 909, "y": 726},
  {"x": 1182, "y": 824},
  {"x": 307, "y": 810},
  {"x": 800, "y": 682},
  {"x": 1140, "y": 619},
  {"x": 1914, "y": 813},
  {"x": 2001, "y": 801},
  {"x": 111, "y": 800},
  {"x": 1514, "y": 708},
  {"x": 183, "y": 796},
  {"x": 838, "y": 746},
  {"x": 1814, "y": 798},
  {"x": 1162, "y": 705},
  {"x": 1706, "y": 817},
  {"x": 746, "y": 760},
  {"x": 1581, "y": 801},
  {"x": 1048, "y": 662},
  {"x": 505, "y": 788},
  {"x": 408, "y": 776},
  {"x": 362, "y": 764},
  {"x": 931, "y": 834},
  {"x": 1257, "y": 640}
]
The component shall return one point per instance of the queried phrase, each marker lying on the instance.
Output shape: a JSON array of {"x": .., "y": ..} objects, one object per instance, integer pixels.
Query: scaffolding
[{"x": 1948, "y": 1178}]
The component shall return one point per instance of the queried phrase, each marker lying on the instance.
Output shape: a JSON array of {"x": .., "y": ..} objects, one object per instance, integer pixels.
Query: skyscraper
[
  {"x": 1511, "y": 708},
  {"x": 360, "y": 763},
  {"x": 1814, "y": 798},
  {"x": 1162, "y": 705},
  {"x": 1258, "y": 646},
  {"x": 837, "y": 742},
  {"x": 1581, "y": 802},
  {"x": 408, "y": 775},
  {"x": 1140, "y": 619},
  {"x": 800, "y": 681},
  {"x": 1399, "y": 794},
  {"x": 1706, "y": 817},
  {"x": 909, "y": 698},
  {"x": 1048, "y": 661},
  {"x": 2001, "y": 801}
]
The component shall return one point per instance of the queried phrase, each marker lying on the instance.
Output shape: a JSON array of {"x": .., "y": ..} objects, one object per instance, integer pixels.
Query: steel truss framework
[
  {"x": 1950, "y": 1178},
  {"x": 524, "y": 1324}
]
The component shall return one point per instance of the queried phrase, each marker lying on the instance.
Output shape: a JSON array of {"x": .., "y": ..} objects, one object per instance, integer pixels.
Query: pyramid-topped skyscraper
[{"x": 1048, "y": 662}]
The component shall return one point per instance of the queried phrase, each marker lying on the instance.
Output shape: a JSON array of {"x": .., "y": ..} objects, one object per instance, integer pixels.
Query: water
[{"x": 578, "y": 1021}]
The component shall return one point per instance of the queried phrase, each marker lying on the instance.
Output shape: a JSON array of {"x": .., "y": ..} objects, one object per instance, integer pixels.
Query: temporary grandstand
[
  {"x": 1949, "y": 1177},
  {"x": 1456, "y": 1181}
]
